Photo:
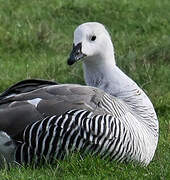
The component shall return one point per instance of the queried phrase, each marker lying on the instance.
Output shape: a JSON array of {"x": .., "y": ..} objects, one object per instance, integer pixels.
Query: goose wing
[{"x": 17, "y": 111}]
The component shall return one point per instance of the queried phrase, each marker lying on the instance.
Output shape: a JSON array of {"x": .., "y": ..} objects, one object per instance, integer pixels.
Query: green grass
[{"x": 35, "y": 41}]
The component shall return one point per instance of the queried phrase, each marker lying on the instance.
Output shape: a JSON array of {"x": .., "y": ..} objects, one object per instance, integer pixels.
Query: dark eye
[{"x": 93, "y": 38}]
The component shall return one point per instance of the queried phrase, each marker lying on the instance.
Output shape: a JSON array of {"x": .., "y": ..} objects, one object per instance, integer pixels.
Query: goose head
[{"x": 92, "y": 44}]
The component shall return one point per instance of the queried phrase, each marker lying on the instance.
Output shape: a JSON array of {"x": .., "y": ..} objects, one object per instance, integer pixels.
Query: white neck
[{"x": 108, "y": 77}]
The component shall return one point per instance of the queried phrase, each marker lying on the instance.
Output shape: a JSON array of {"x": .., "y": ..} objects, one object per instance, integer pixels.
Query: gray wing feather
[{"x": 16, "y": 112}]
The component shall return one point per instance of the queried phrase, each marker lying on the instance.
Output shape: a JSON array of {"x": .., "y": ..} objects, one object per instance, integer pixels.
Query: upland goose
[{"x": 114, "y": 118}]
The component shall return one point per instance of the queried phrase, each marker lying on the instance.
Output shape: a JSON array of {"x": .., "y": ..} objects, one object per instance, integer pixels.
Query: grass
[{"x": 35, "y": 41}]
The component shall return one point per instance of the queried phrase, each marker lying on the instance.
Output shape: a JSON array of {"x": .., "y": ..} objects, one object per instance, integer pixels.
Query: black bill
[{"x": 76, "y": 54}]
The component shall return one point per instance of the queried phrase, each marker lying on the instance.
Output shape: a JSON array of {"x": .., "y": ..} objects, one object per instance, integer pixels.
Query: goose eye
[{"x": 93, "y": 38}]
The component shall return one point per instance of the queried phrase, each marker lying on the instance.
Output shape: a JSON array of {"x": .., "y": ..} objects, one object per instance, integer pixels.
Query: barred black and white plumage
[
  {"x": 82, "y": 130},
  {"x": 77, "y": 130}
]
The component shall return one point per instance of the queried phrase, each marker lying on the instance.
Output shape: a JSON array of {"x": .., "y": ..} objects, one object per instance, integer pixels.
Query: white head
[{"x": 92, "y": 42}]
